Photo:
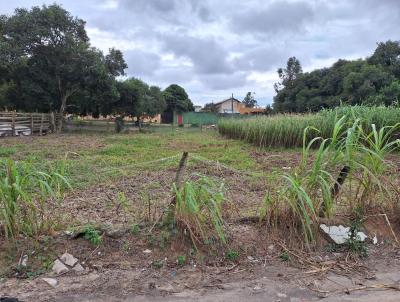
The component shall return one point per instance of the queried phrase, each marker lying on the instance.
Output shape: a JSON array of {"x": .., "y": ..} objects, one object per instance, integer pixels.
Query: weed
[
  {"x": 92, "y": 235},
  {"x": 126, "y": 246},
  {"x": 284, "y": 256},
  {"x": 158, "y": 264},
  {"x": 135, "y": 229},
  {"x": 232, "y": 255},
  {"x": 181, "y": 260},
  {"x": 24, "y": 196},
  {"x": 198, "y": 211}
]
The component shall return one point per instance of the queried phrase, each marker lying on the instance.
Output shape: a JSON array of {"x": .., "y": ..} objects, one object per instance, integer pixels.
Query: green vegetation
[
  {"x": 232, "y": 255},
  {"x": 47, "y": 64},
  {"x": 312, "y": 189},
  {"x": 92, "y": 235},
  {"x": 181, "y": 260},
  {"x": 374, "y": 81},
  {"x": 198, "y": 211},
  {"x": 287, "y": 130},
  {"x": 27, "y": 195}
]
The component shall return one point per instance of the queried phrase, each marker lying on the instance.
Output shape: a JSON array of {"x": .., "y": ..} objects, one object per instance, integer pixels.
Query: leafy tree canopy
[
  {"x": 47, "y": 55},
  {"x": 177, "y": 99},
  {"x": 249, "y": 100},
  {"x": 374, "y": 80}
]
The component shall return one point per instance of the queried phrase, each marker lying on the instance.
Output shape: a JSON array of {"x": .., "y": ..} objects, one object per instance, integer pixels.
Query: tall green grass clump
[
  {"x": 287, "y": 130},
  {"x": 26, "y": 196},
  {"x": 348, "y": 168},
  {"x": 198, "y": 211}
]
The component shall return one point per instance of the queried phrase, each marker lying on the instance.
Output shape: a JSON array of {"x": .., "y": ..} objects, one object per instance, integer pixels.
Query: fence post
[
  {"x": 31, "y": 124},
  {"x": 41, "y": 125},
  {"x": 52, "y": 122},
  {"x": 13, "y": 124}
]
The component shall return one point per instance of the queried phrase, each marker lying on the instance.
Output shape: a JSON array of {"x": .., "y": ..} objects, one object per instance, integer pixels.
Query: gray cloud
[
  {"x": 207, "y": 55},
  {"x": 142, "y": 63},
  {"x": 214, "y": 48},
  {"x": 277, "y": 17},
  {"x": 224, "y": 81}
]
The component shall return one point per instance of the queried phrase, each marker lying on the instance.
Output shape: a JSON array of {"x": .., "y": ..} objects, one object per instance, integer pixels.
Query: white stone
[
  {"x": 375, "y": 240},
  {"x": 147, "y": 251},
  {"x": 24, "y": 260},
  {"x": 340, "y": 234},
  {"x": 50, "y": 281},
  {"x": 68, "y": 259},
  {"x": 281, "y": 295},
  {"x": 59, "y": 267},
  {"x": 78, "y": 268}
]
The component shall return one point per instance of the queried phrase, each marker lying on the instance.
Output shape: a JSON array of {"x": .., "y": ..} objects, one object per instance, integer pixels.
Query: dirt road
[{"x": 256, "y": 283}]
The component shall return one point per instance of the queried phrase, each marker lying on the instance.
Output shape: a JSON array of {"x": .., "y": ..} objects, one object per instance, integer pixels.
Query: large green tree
[
  {"x": 138, "y": 99},
  {"x": 177, "y": 99},
  {"x": 373, "y": 80},
  {"x": 46, "y": 52}
]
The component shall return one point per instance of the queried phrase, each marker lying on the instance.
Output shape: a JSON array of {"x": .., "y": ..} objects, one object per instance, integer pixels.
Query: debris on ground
[
  {"x": 23, "y": 261},
  {"x": 59, "y": 267},
  {"x": 340, "y": 234},
  {"x": 65, "y": 263},
  {"x": 68, "y": 259},
  {"x": 51, "y": 281}
]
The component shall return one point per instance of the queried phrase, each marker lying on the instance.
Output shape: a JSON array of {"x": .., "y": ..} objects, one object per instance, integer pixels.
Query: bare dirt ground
[{"x": 252, "y": 280}]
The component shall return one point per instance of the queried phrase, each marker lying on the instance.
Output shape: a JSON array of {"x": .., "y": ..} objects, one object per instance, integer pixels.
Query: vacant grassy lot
[{"x": 124, "y": 182}]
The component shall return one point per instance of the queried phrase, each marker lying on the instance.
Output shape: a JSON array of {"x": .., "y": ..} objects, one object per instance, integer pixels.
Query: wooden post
[
  {"x": 181, "y": 170},
  {"x": 52, "y": 122},
  {"x": 13, "y": 124},
  {"x": 340, "y": 180},
  {"x": 336, "y": 187},
  {"x": 41, "y": 125},
  {"x": 31, "y": 124}
]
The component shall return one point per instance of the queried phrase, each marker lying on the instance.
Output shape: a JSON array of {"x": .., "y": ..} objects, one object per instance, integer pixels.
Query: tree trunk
[{"x": 61, "y": 112}]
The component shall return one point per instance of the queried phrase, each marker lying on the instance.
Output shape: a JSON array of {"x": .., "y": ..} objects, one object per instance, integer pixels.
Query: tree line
[
  {"x": 372, "y": 81},
  {"x": 47, "y": 64}
]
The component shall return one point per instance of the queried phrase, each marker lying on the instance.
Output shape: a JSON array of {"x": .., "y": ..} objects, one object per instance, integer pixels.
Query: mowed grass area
[{"x": 95, "y": 157}]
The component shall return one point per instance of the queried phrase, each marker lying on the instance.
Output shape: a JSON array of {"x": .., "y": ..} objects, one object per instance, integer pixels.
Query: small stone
[
  {"x": 281, "y": 295},
  {"x": 59, "y": 267},
  {"x": 68, "y": 259},
  {"x": 152, "y": 285},
  {"x": 250, "y": 258},
  {"x": 24, "y": 260},
  {"x": 147, "y": 251},
  {"x": 78, "y": 268},
  {"x": 271, "y": 247},
  {"x": 166, "y": 288},
  {"x": 50, "y": 281},
  {"x": 257, "y": 287},
  {"x": 375, "y": 240}
]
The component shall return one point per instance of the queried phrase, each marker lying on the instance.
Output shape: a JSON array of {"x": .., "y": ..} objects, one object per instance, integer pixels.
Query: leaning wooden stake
[
  {"x": 181, "y": 170},
  {"x": 336, "y": 187},
  {"x": 339, "y": 182},
  {"x": 178, "y": 183}
]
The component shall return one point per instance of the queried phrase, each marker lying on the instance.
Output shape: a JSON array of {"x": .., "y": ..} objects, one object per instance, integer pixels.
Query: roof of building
[{"x": 230, "y": 99}]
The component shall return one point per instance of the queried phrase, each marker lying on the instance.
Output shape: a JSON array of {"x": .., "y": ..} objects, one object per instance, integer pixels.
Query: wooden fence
[{"x": 17, "y": 123}]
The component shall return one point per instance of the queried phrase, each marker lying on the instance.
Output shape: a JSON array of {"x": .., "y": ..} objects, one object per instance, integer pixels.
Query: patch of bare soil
[
  {"x": 63, "y": 142},
  {"x": 145, "y": 196},
  {"x": 113, "y": 275}
]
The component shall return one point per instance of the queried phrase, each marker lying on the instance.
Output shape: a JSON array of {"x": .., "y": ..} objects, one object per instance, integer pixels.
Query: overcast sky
[{"x": 217, "y": 47}]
